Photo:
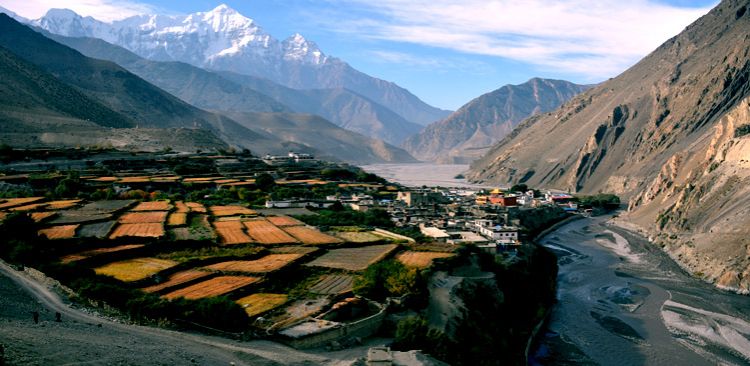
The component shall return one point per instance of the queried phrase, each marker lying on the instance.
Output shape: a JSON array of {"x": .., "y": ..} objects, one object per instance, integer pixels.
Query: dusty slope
[
  {"x": 466, "y": 134},
  {"x": 662, "y": 134}
]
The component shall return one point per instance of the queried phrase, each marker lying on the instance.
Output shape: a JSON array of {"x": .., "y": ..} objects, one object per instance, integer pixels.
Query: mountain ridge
[
  {"x": 460, "y": 137},
  {"x": 222, "y": 39}
]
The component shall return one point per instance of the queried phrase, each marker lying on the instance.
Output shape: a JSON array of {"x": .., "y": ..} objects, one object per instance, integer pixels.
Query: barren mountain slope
[
  {"x": 666, "y": 134},
  {"x": 467, "y": 133}
]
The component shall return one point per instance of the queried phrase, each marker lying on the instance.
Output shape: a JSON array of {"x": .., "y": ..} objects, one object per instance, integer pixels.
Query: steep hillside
[
  {"x": 670, "y": 134},
  {"x": 240, "y": 93},
  {"x": 466, "y": 134},
  {"x": 223, "y": 39},
  {"x": 309, "y": 133}
]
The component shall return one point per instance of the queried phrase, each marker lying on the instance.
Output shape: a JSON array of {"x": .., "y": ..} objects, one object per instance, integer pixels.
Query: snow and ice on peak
[
  {"x": 13, "y": 15},
  {"x": 298, "y": 48}
]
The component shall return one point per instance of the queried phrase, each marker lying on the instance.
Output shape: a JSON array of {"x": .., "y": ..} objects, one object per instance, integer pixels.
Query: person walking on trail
[
  {"x": 58, "y": 317},
  {"x": 35, "y": 315}
]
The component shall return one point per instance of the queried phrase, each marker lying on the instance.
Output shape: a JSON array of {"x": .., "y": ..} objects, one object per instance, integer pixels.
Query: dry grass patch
[
  {"x": 284, "y": 221},
  {"x": 420, "y": 259},
  {"x": 200, "y": 179},
  {"x": 177, "y": 279},
  {"x": 141, "y": 179},
  {"x": 135, "y": 269},
  {"x": 143, "y": 217},
  {"x": 31, "y": 207},
  {"x": 142, "y": 230},
  {"x": 59, "y": 232},
  {"x": 311, "y": 236},
  {"x": 216, "y": 286},
  {"x": 104, "y": 179},
  {"x": 269, "y": 263},
  {"x": 153, "y": 206},
  {"x": 353, "y": 259},
  {"x": 177, "y": 219},
  {"x": 257, "y": 304},
  {"x": 92, "y": 253},
  {"x": 265, "y": 232},
  {"x": 231, "y": 210}
]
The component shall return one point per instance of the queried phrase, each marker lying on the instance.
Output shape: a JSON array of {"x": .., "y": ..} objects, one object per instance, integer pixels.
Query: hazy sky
[{"x": 448, "y": 52}]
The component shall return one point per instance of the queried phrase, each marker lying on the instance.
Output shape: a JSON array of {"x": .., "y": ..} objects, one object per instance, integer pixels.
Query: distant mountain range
[
  {"x": 466, "y": 134},
  {"x": 671, "y": 135},
  {"x": 224, "y": 40},
  {"x": 53, "y": 95}
]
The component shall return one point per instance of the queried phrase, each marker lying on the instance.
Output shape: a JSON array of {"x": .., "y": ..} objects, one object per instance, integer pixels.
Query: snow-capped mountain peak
[{"x": 300, "y": 49}]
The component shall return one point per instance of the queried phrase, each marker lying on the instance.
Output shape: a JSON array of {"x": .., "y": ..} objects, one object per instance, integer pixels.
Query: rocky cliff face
[
  {"x": 467, "y": 133},
  {"x": 668, "y": 135}
]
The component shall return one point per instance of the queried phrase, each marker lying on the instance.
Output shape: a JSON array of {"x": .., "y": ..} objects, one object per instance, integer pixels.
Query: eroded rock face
[{"x": 667, "y": 135}]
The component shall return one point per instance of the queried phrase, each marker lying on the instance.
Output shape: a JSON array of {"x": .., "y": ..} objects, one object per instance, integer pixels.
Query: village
[{"x": 301, "y": 246}]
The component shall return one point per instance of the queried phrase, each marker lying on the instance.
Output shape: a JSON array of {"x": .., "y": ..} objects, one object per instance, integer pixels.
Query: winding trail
[{"x": 142, "y": 344}]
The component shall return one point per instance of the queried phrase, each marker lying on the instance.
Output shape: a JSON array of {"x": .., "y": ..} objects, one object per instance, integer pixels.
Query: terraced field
[
  {"x": 269, "y": 263},
  {"x": 264, "y": 232},
  {"x": 143, "y": 217},
  {"x": 93, "y": 253},
  {"x": 59, "y": 232},
  {"x": 177, "y": 279},
  {"x": 135, "y": 269},
  {"x": 311, "y": 236},
  {"x": 177, "y": 219},
  {"x": 153, "y": 206},
  {"x": 360, "y": 237},
  {"x": 231, "y": 210},
  {"x": 284, "y": 221},
  {"x": 333, "y": 285},
  {"x": 353, "y": 259},
  {"x": 231, "y": 232},
  {"x": 257, "y": 304},
  {"x": 141, "y": 230},
  {"x": 420, "y": 259},
  {"x": 213, "y": 287}
]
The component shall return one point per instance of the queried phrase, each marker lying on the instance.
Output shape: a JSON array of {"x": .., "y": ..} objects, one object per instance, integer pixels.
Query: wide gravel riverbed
[{"x": 621, "y": 301}]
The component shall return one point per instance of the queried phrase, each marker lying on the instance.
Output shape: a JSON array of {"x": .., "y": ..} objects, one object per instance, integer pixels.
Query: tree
[
  {"x": 519, "y": 188},
  {"x": 265, "y": 182}
]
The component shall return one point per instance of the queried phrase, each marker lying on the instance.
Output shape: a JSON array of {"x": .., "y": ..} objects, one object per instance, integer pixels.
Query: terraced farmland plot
[
  {"x": 257, "y": 304},
  {"x": 294, "y": 250},
  {"x": 143, "y": 217},
  {"x": 153, "y": 206},
  {"x": 135, "y": 269},
  {"x": 92, "y": 253},
  {"x": 41, "y": 216},
  {"x": 333, "y": 285},
  {"x": 310, "y": 236},
  {"x": 177, "y": 219},
  {"x": 61, "y": 205},
  {"x": 13, "y": 202},
  {"x": 353, "y": 259},
  {"x": 107, "y": 206},
  {"x": 141, "y": 179},
  {"x": 264, "y": 232},
  {"x": 231, "y": 210},
  {"x": 96, "y": 230},
  {"x": 213, "y": 287},
  {"x": 141, "y": 230},
  {"x": 196, "y": 207},
  {"x": 269, "y": 263},
  {"x": 420, "y": 259},
  {"x": 200, "y": 179},
  {"x": 181, "y": 207},
  {"x": 31, "y": 207},
  {"x": 362, "y": 237},
  {"x": 59, "y": 232},
  {"x": 231, "y": 232},
  {"x": 199, "y": 229},
  {"x": 177, "y": 279},
  {"x": 284, "y": 221},
  {"x": 80, "y": 217}
]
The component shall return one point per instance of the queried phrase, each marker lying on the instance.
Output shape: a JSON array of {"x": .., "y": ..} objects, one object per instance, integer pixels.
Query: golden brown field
[
  {"x": 266, "y": 264},
  {"x": 41, "y": 216},
  {"x": 63, "y": 204},
  {"x": 142, "y": 230},
  {"x": 59, "y": 232},
  {"x": 177, "y": 219},
  {"x": 91, "y": 253},
  {"x": 353, "y": 259},
  {"x": 284, "y": 221},
  {"x": 135, "y": 269},
  {"x": 196, "y": 207},
  {"x": 420, "y": 259},
  {"x": 153, "y": 206},
  {"x": 264, "y": 232},
  {"x": 181, "y": 207},
  {"x": 257, "y": 304},
  {"x": 177, "y": 279},
  {"x": 231, "y": 210},
  {"x": 143, "y": 217},
  {"x": 216, "y": 286},
  {"x": 13, "y": 202},
  {"x": 310, "y": 236},
  {"x": 231, "y": 232}
]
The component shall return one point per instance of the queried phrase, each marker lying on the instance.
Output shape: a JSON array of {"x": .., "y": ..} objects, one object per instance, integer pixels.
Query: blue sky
[{"x": 448, "y": 52}]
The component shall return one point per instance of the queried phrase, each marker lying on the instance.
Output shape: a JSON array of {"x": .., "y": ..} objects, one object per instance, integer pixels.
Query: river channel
[{"x": 621, "y": 301}]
